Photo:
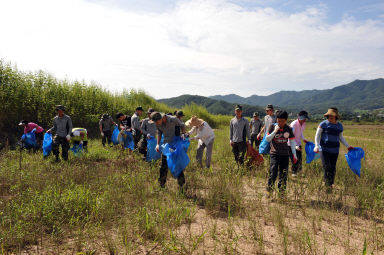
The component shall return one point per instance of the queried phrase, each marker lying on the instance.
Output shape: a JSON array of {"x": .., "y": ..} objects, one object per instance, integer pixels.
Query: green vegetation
[
  {"x": 33, "y": 96},
  {"x": 110, "y": 202}
]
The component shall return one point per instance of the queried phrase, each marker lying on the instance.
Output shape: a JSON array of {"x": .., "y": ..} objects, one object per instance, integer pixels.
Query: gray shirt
[
  {"x": 148, "y": 128},
  {"x": 106, "y": 124},
  {"x": 255, "y": 126},
  {"x": 135, "y": 122},
  {"x": 168, "y": 129},
  {"x": 268, "y": 121},
  {"x": 62, "y": 126},
  {"x": 236, "y": 130}
]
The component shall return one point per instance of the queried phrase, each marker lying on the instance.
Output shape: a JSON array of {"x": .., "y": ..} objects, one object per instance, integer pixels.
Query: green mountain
[
  {"x": 213, "y": 106},
  {"x": 357, "y": 95}
]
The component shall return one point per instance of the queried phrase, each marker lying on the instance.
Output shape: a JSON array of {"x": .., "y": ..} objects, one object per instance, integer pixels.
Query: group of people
[{"x": 285, "y": 140}]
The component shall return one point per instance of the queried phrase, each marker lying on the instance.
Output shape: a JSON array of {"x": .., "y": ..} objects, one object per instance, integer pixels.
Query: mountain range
[{"x": 355, "y": 96}]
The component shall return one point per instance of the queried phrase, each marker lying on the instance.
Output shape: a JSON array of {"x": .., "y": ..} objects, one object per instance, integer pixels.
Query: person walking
[
  {"x": 205, "y": 136},
  {"x": 328, "y": 137},
  {"x": 62, "y": 127},
  {"x": 269, "y": 120},
  {"x": 166, "y": 126},
  {"x": 298, "y": 127},
  {"x": 105, "y": 125},
  {"x": 136, "y": 126},
  {"x": 148, "y": 130},
  {"x": 238, "y": 134},
  {"x": 255, "y": 126},
  {"x": 279, "y": 135},
  {"x": 39, "y": 132}
]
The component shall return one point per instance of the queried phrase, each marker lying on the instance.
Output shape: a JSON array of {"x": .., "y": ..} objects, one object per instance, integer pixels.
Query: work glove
[
  {"x": 316, "y": 149},
  {"x": 258, "y": 136},
  {"x": 350, "y": 148},
  {"x": 305, "y": 140},
  {"x": 157, "y": 148},
  {"x": 102, "y": 134},
  {"x": 68, "y": 138},
  {"x": 182, "y": 136},
  {"x": 298, "y": 148},
  {"x": 81, "y": 142},
  {"x": 148, "y": 136},
  {"x": 294, "y": 160},
  {"x": 231, "y": 143},
  {"x": 249, "y": 142}
]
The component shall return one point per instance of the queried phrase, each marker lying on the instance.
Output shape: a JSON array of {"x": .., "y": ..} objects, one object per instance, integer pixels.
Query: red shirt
[{"x": 30, "y": 126}]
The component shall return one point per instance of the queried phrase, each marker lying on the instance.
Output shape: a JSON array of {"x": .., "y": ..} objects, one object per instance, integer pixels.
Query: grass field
[{"x": 110, "y": 202}]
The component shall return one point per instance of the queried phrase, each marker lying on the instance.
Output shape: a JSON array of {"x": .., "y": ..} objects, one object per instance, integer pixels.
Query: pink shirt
[
  {"x": 298, "y": 131},
  {"x": 30, "y": 126}
]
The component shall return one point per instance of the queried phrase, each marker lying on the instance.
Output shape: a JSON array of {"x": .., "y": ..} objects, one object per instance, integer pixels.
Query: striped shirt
[{"x": 330, "y": 138}]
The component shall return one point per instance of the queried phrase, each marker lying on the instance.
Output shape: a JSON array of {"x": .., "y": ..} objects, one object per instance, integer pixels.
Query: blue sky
[{"x": 203, "y": 47}]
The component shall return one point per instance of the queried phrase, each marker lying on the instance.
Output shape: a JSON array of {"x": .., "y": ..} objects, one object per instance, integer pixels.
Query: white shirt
[{"x": 204, "y": 133}]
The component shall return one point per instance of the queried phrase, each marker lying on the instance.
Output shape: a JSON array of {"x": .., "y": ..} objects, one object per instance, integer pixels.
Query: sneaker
[{"x": 294, "y": 175}]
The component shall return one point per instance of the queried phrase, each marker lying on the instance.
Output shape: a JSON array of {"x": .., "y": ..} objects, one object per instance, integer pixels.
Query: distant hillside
[
  {"x": 213, "y": 106},
  {"x": 357, "y": 95}
]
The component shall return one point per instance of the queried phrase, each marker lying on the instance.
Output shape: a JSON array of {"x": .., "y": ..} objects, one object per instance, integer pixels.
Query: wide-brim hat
[
  {"x": 332, "y": 112},
  {"x": 194, "y": 121}
]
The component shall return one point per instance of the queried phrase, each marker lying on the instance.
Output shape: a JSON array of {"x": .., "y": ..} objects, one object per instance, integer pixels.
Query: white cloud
[{"x": 200, "y": 47}]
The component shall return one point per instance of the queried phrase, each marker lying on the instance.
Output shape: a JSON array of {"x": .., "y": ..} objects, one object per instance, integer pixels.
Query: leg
[
  {"x": 333, "y": 160},
  {"x": 273, "y": 170},
  {"x": 64, "y": 148},
  {"x": 85, "y": 146},
  {"x": 55, "y": 146},
  {"x": 299, "y": 160},
  {"x": 325, "y": 159},
  {"x": 283, "y": 172},
  {"x": 208, "y": 154},
  {"x": 236, "y": 152},
  {"x": 243, "y": 150},
  {"x": 108, "y": 135},
  {"x": 181, "y": 179},
  {"x": 253, "y": 139},
  {"x": 163, "y": 171},
  {"x": 199, "y": 153}
]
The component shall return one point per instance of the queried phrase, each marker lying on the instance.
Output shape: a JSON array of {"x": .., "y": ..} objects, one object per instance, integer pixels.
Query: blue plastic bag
[
  {"x": 177, "y": 158},
  {"x": 184, "y": 142},
  {"x": 115, "y": 135},
  {"x": 152, "y": 154},
  {"x": 47, "y": 144},
  {"x": 353, "y": 158},
  {"x": 127, "y": 140},
  {"x": 77, "y": 150},
  {"x": 310, "y": 154},
  {"x": 264, "y": 146},
  {"x": 29, "y": 139}
]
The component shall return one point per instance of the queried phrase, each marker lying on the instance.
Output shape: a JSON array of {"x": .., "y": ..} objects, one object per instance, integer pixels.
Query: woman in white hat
[
  {"x": 205, "y": 137},
  {"x": 329, "y": 135}
]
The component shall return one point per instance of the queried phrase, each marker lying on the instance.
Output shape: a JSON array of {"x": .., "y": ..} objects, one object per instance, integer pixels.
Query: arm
[
  {"x": 343, "y": 141},
  {"x": 293, "y": 147},
  {"x": 270, "y": 137},
  {"x": 192, "y": 131},
  {"x": 69, "y": 126},
  {"x": 230, "y": 132},
  {"x": 319, "y": 131},
  {"x": 100, "y": 127}
]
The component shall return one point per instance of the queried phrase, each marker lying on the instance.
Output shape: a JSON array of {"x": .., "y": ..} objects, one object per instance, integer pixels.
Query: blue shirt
[{"x": 330, "y": 138}]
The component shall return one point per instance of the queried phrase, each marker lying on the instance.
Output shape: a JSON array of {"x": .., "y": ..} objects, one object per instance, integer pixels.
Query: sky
[{"x": 200, "y": 47}]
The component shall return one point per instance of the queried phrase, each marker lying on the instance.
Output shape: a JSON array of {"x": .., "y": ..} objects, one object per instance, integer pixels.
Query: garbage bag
[
  {"x": 177, "y": 158},
  {"x": 115, "y": 135},
  {"x": 47, "y": 144},
  {"x": 126, "y": 139},
  {"x": 310, "y": 154},
  {"x": 255, "y": 158},
  {"x": 77, "y": 150},
  {"x": 353, "y": 158},
  {"x": 29, "y": 139},
  {"x": 152, "y": 154},
  {"x": 184, "y": 142},
  {"x": 264, "y": 146}
]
